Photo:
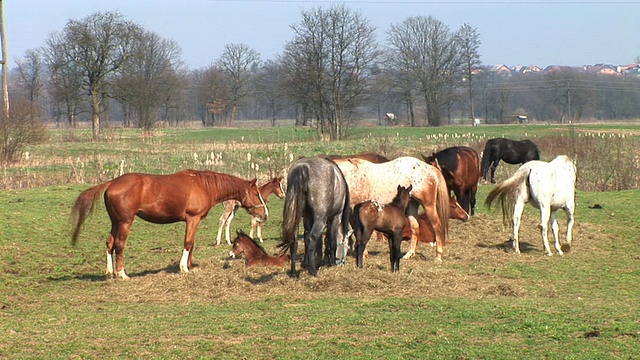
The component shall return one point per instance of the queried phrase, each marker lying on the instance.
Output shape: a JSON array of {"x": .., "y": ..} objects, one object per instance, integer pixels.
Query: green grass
[{"x": 481, "y": 303}]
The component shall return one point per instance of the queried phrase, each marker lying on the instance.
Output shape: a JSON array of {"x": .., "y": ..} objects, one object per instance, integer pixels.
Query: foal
[
  {"x": 254, "y": 254},
  {"x": 389, "y": 219},
  {"x": 273, "y": 186}
]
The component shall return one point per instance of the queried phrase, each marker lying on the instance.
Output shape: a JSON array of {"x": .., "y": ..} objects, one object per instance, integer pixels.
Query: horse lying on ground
[
  {"x": 254, "y": 254},
  {"x": 162, "y": 199},
  {"x": 460, "y": 166},
  {"x": 509, "y": 151},
  {"x": 388, "y": 219},
  {"x": 273, "y": 186},
  {"x": 318, "y": 194},
  {"x": 549, "y": 187}
]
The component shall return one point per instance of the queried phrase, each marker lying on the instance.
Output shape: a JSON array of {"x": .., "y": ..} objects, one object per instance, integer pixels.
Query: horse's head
[
  {"x": 279, "y": 188},
  {"x": 456, "y": 211},
  {"x": 403, "y": 196},
  {"x": 237, "y": 247},
  {"x": 254, "y": 202}
]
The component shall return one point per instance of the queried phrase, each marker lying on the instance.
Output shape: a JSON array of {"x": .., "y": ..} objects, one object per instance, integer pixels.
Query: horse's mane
[{"x": 222, "y": 181}]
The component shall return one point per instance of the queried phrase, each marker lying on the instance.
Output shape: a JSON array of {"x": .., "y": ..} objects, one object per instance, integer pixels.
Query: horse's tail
[
  {"x": 505, "y": 192},
  {"x": 294, "y": 205},
  {"x": 442, "y": 206},
  {"x": 84, "y": 207}
]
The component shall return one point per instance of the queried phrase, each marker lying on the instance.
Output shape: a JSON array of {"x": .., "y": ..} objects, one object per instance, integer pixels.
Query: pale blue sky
[{"x": 512, "y": 32}]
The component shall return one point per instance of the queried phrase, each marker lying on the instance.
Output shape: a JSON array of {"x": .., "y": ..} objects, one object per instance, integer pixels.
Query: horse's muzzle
[{"x": 232, "y": 255}]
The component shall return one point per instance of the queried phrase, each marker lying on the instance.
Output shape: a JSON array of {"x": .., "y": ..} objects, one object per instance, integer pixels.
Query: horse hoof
[{"x": 565, "y": 247}]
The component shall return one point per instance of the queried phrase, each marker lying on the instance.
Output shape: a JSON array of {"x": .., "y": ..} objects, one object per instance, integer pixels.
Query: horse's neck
[
  {"x": 267, "y": 190},
  {"x": 253, "y": 251},
  {"x": 227, "y": 187}
]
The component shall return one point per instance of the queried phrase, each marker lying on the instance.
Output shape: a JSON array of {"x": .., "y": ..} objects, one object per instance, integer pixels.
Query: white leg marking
[
  {"x": 109, "y": 264},
  {"x": 122, "y": 275},
  {"x": 184, "y": 261}
]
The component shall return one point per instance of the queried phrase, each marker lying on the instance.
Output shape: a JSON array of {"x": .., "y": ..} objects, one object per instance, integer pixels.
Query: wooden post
[{"x": 5, "y": 71}]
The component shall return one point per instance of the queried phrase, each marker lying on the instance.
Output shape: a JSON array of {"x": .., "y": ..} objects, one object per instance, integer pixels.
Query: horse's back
[{"x": 552, "y": 182}]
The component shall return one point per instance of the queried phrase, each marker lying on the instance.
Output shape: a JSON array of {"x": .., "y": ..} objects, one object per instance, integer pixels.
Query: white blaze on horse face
[
  {"x": 231, "y": 254},
  {"x": 184, "y": 261}
]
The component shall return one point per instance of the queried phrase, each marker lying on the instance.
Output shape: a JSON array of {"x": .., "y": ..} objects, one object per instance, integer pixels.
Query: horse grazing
[
  {"x": 162, "y": 199},
  {"x": 273, "y": 186},
  {"x": 509, "y": 151},
  {"x": 318, "y": 194},
  {"x": 378, "y": 182},
  {"x": 460, "y": 166},
  {"x": 549, "y": 187},
  {"x": 388, "y": 219},
  {"x": 254, "y": 254},
  {"x": 418, "y": 228}
]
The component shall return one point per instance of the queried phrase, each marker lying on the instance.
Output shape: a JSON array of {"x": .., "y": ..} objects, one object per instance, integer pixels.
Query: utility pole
[{"x": 5, "y": 75}]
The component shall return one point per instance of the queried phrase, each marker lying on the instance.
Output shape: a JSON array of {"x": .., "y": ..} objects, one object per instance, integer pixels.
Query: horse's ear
[
  {"x": 254, "y": 181},
  {"x": 424, "y": 158},
  {"x": 410, "y": 187}
]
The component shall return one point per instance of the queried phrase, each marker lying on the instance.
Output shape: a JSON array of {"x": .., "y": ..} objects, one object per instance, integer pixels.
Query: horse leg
[
  {"x": 395, "y": 239},
  {"x": 257, "y": 228},
  {"x": 415, "y": 230},
  {"x": 555, "y": 229},
  {"x": 493, "y": 167},
  {"x": 227, "y": 227},
  {"x": 518, "y": 208},
  {"x": 222, "y": 223},
  {"x": 110, "y": 242},
  {"x": 472, "y": 198},
  {"x": 119, "y": 242},
  {"x": 311, "y": 243},
  {"x": 436, "y": 224},
  {"x": 545, "y": 214},
  {"x": 189, "y": 243},
  {"x": 331, "y": 241},
  {"x": 361, "y": 245},
  {"x": 569, "y": 210}
]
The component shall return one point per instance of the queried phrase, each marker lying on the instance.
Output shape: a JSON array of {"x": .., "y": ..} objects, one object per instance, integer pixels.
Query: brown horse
[
  {"x": 254, "y": 254},
  {"x": 388, "y": 219},
  {"x": 460, "y": 166},
  {"x": 162, "y": 199},
  {"x": 418, "y": 229},
  {"x": 273, "y": 186},
  {"x": 369, "y": 181}
]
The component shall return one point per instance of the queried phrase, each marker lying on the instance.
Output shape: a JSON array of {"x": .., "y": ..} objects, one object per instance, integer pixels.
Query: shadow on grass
[
  {"x": 171, "y": 269},
  {"x": 507, "y": 246}
]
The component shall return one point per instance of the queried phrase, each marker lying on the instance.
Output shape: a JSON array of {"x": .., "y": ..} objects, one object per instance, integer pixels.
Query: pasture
[{"x": 481, "y": 302}]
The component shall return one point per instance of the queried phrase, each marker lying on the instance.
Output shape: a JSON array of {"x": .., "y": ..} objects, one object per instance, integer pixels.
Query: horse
[
  {"x": 548, "y": 187},
  {"x": 509, "y": 151},
  {"x": 318, "y": 194},
  {"x": 389, "y": 219},
  {"x": 369, "y": 181},
  {"x": 460, "y": 166},
  {"x": 418, "y": 228},
  {"x": 254, "y": 254},
  {"x": 273, "y": 186},
  {"x": 162, "y": 199}
]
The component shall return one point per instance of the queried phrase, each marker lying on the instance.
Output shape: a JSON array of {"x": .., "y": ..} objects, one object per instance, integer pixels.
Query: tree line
[{"x": 331, "y": 74}]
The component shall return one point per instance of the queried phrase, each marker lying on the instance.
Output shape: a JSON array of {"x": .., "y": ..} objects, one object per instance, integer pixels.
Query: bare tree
[
  {"x": 238, "y": 62},
  {"x": 330, "y": 55},
  {"x": 269, "y": 87},
  {"x": 20, "y": 128},
  {"x": 97, "y": 46},
  {"x": 468, "y": 40},
  {"x": 426, "y": 47},
  {"x": 30, "y": 71},
  {"x": 150, "y": 76}
]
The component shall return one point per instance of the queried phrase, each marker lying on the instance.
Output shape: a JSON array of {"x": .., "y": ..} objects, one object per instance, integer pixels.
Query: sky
[{"x": 534, "y": 32}]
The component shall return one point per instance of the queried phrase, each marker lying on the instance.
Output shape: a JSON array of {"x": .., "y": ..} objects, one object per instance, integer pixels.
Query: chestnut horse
[
  {"x": 419, "y": 230},
  {"x": 273, "y": 186},
  {"x": 388, "y": 219},
  {"x": 460, "y": 166},
  {"x": 162, "y": 199},
  {"x": 254, "y": 254},
  {"x": 369, "y": 181}
]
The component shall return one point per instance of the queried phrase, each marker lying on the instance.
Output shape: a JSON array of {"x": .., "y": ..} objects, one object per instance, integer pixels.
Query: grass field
[{"x": 482, "y": 302}]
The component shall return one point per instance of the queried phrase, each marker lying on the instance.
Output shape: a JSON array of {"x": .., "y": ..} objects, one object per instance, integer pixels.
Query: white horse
[{"x": 549, "y": 187}]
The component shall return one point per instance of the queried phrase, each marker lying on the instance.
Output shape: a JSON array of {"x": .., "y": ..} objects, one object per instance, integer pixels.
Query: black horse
[
  {"x": 509, "y": 151},
  {"x": 317, "y": 194}
]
